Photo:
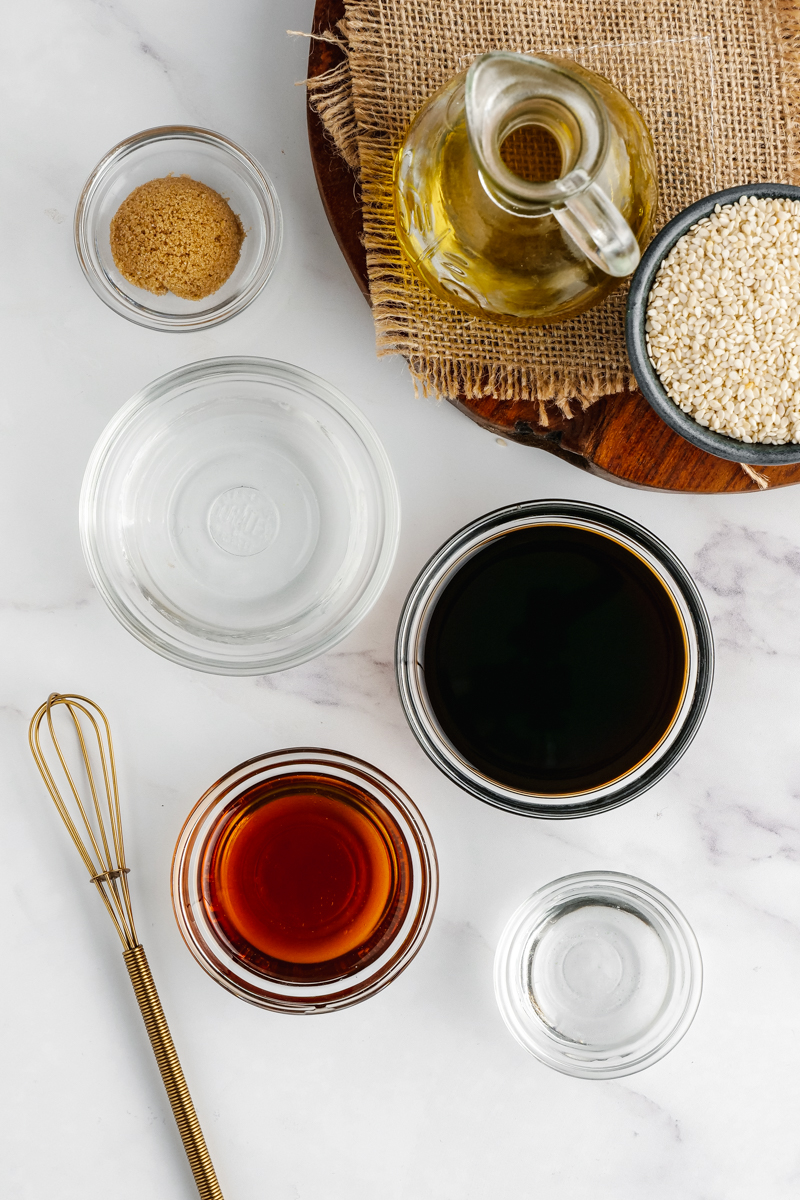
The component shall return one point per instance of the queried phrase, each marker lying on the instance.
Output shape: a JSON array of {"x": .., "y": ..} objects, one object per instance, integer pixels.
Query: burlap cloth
[{"x": 717, "y": 81}]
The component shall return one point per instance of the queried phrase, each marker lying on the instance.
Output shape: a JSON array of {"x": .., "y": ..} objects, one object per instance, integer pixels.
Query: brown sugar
[{"x": 176, "y": 235}]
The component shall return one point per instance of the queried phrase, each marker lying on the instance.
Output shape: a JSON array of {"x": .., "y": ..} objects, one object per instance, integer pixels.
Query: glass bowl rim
[
  {"x": 525, "y": 1025},
  {"x": 444, "y": 563},
  {"x": 416, "y": 924},
  {"x": 223, "y": 367},
  {"x": 262, "y": 188}
]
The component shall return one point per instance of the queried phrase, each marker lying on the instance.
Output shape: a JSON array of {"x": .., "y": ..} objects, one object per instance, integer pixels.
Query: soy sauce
[
  {"x": 307, "y": 879},
  {"x": 554, "y": 660}
]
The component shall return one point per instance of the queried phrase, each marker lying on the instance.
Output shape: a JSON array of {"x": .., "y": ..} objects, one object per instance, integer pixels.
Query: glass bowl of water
[
  {"x": 598, "y": 975},
  {"x": 239, "y": 516}
]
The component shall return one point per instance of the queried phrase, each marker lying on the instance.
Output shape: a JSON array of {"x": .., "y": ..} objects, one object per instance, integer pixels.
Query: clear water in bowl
[
  {"x": 239, "y": 515},
  {"x": 600, "y": 975},
  {"x": 247, "y": 537}
]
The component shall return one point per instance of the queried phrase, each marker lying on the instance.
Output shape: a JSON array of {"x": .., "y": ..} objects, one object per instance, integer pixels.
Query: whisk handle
[{"x": 172, "y": 1075}]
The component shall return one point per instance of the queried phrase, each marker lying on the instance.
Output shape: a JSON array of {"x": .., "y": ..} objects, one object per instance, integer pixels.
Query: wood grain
[{"x": 618, "y": 438}]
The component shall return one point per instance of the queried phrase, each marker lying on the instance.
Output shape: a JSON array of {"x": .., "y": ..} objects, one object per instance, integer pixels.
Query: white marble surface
[{"x": 420, "y": 1093}]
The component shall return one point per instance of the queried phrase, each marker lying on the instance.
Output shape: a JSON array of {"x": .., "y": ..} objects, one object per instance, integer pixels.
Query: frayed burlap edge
[
  {"x": 331, "y": 97},
  {"x": 512, "y": 383},
  {"x": 362, "y": 143}
]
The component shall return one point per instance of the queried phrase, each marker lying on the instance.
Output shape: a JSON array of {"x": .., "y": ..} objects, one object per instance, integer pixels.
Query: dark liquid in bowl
[
  {"x": 306, "y": 878},
  {"x": 554, "y": 660}
]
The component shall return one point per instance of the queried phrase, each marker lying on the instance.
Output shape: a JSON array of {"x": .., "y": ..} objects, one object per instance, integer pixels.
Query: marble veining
[
  {"x": 353, "y": 679},
  {"x": 420, "y": 1093},
  {"x": 750, "y": 577}
]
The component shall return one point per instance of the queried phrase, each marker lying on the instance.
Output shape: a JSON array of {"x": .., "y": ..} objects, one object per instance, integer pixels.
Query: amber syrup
[{"x": 306, "y": 878}]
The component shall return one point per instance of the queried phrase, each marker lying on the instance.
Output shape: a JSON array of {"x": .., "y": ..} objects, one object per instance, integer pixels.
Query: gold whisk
[{"x": 108, "y": 872}]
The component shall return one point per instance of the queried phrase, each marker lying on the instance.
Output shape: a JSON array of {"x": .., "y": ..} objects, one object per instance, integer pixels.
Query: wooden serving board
[{"x": 619, "y": 437}]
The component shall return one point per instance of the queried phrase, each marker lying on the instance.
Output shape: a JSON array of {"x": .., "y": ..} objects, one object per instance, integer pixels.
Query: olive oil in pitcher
[{"x": 480, "y": 220}]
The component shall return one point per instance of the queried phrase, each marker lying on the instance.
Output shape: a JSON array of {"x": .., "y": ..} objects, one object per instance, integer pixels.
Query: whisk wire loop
[{"x": 107, "y": 869}]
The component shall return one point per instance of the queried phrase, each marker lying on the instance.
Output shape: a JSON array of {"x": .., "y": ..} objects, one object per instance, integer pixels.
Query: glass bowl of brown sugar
[{"x": 178, "y": 208}]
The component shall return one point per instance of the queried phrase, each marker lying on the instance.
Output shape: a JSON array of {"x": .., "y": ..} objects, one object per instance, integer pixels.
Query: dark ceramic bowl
[{"x": 649, "y": 381}]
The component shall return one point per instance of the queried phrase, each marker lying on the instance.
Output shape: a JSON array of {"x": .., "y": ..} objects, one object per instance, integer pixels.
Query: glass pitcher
[{"x": 515, "y": 249}]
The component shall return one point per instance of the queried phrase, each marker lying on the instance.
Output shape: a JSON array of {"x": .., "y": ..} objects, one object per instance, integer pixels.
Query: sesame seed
[{"x": 719, "y": 327}]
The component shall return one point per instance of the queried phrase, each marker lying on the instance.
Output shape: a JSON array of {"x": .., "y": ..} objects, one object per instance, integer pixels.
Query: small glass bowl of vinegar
[{"x": 304, "y": 881}]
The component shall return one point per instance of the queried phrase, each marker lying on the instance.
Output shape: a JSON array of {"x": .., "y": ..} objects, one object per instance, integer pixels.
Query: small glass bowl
[
  {"x": 208, "y": 158},
  {"x": 211, "y": 812},
  {"x": 239, "y": 516},
  {"x": 598, "y": 975},
  {"x": 434, "y": 578}
]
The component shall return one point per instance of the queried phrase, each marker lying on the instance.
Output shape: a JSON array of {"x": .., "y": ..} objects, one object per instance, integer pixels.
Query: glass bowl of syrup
[
  {"x": 598, "y": 975},
  {"x": 554, "y": 658},
  {"x": 304, "y": 881}
]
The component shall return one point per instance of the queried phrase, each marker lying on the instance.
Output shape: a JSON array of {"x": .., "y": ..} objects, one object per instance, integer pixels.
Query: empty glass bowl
[
  {"x": 240, "y": 972},
  {"x": 239, "y": 515},
  {"x": 208, "y": 158},
  {"x": 598, "y": 975}
]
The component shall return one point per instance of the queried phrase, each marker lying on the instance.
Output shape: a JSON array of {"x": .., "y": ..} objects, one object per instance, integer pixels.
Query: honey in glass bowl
[{"x": 306, "y": 879}]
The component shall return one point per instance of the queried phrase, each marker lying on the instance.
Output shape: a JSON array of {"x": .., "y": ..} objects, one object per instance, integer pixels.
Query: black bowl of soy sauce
[{"x": 554, "y": 658}]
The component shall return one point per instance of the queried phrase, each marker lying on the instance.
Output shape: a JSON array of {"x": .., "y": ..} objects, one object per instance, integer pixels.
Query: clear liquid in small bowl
[{"x": 599, "y": 975}]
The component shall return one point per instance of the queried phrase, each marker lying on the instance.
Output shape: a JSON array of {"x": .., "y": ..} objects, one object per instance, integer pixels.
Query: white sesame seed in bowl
[{"x": 713, "y": 324}]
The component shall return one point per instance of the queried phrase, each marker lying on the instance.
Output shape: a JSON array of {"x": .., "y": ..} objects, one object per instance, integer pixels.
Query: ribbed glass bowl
[
  {"x": 208, "y": 158},
  {"x": 598, "y": 975},
  {"x": 239, "y": 515},
  {"x": 233, "y": 972}
]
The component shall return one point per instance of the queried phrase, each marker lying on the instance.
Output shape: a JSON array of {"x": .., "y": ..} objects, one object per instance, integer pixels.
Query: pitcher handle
[{"x": 600, "y": 230}]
